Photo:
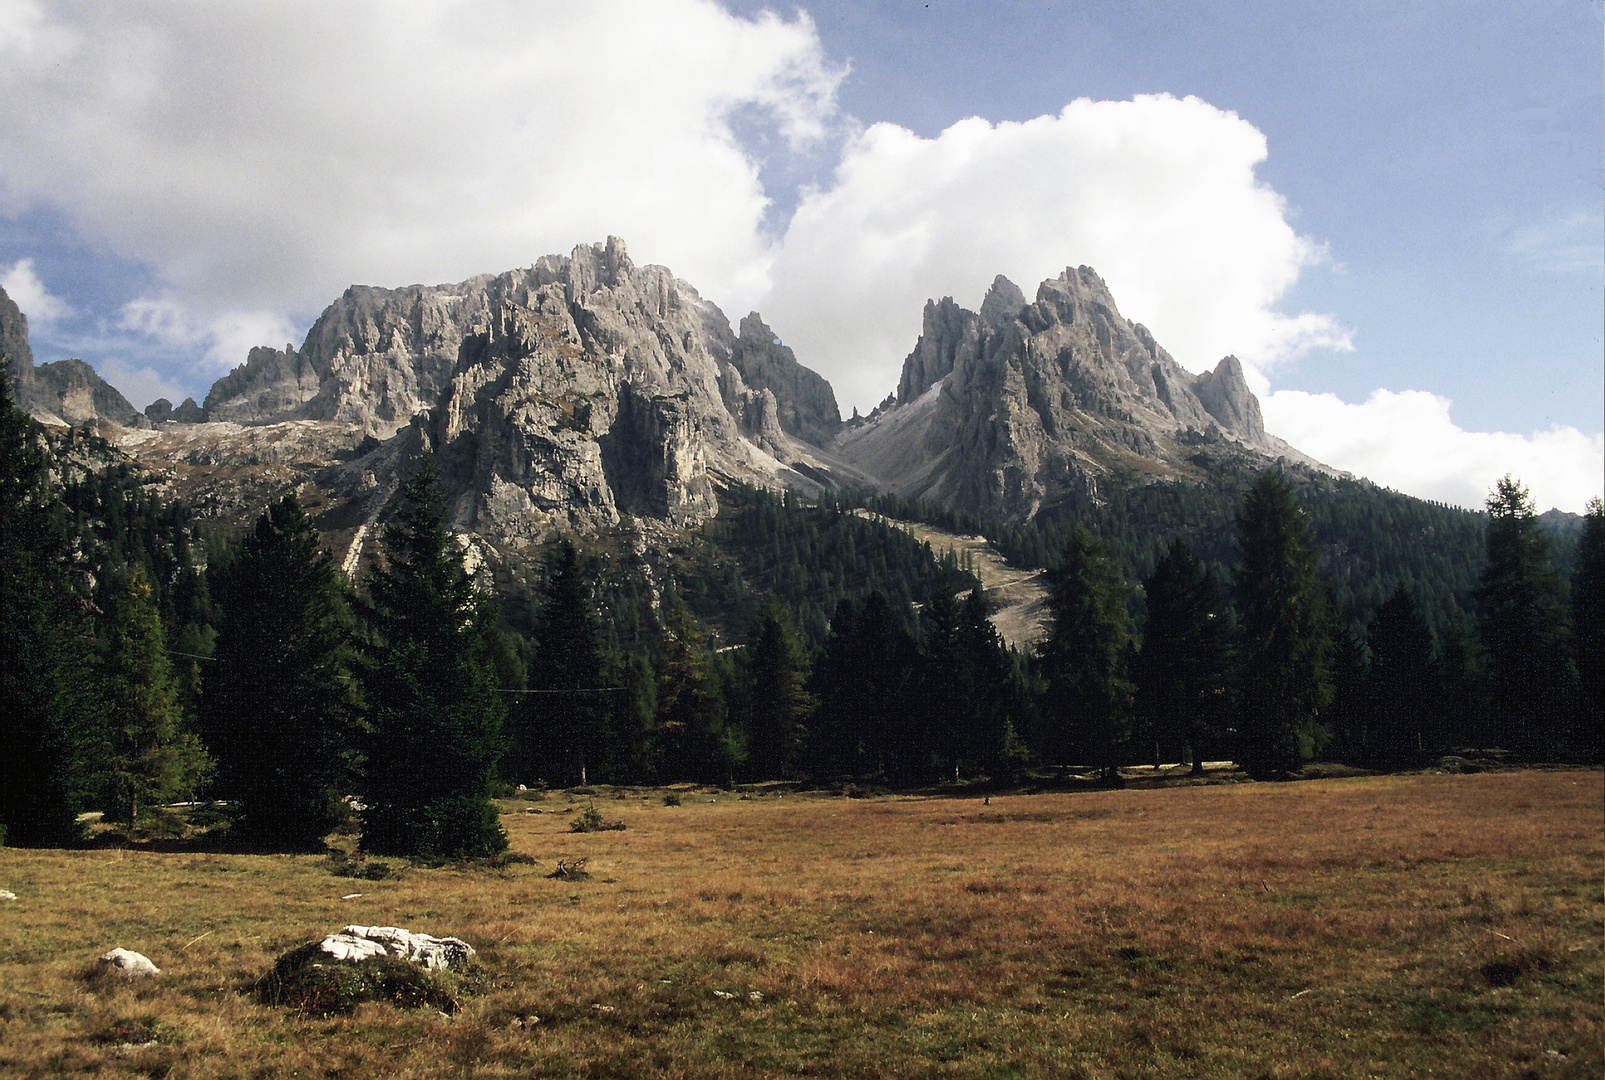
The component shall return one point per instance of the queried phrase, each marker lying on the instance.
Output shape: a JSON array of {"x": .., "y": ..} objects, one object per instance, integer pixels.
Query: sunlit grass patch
[{"x": 1386, "y": 926}]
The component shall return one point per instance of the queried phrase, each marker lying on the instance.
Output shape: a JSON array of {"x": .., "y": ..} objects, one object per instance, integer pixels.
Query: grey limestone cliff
[
  {"x": 67, "y": 392},
  {"x": 1021, "y": 405},
  {"x": 562, "y": 395}
]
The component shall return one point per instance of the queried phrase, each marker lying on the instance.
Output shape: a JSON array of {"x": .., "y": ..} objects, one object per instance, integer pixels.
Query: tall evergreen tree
[
  {"x": 560, "y": 732},
  {"x": 434, "y": 715},
  {"x": 277, "y": 710},
  {"x": 865, "y": 722},
  {"x": 689, "y": 739},
  {"x": 1181, "y": 672},
  {"x": 1404, "y": 689},
  {"x": 945, "y": 708},
  {"x": 1084, "y": 659},
  {"x": 149, "y": 756},
  {"x": 1588, "y": 636},
  {"x": 1521, "y": 622},
  {"x": 1285, "y": 670},
  {"x": 776, "y": 699},
  {"x": 38, "y": 622}
]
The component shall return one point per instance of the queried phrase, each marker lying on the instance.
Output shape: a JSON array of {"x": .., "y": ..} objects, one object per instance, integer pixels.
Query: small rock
[
  {"x": 754, "y": 995},
  {"x": 358, "y": 943},
  {"x": 725, "y": 994},
  {"x": 1553, "y": 1057},
  {"x": 128, "y": 965},
  {"x": 7, "y": 894},
  {"x": 604, "y": 1008}
]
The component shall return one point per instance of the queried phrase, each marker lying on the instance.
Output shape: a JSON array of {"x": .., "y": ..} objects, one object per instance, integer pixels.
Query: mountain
[
  {"x": 583, "y": 391},
  {"x": 1022, "y": 407},
  {"x": 63, "y": 392},
  {"x": 568, "y": 395}
]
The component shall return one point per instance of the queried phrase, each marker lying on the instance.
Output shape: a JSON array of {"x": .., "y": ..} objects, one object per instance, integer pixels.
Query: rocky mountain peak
[
  {"x": 67, "y": 392},
  {"x": 1002, "y": 303},
  {"x": 1023, "y": 405}
]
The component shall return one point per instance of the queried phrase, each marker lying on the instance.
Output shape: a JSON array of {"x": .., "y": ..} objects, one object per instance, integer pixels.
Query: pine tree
[
  {"x": 276, "y": 708},
  {"x": 38, "y": 622},
  {"x": 149, "y": 755},
  {"x": 777, "y": 702},
  {"x": 1522, "y": 627},
  {"x": 434, "y": 715},
  {"x": 1404, "y": 689},
  {"x": 1285, "y": 669},
  {"x": 1181, "y": 672},
  {"x": 1084, "y": 659},
  {"x": 688, "y": 740},
  {"x": 992, "y": 694},
  {"x": 560, "y": 732},
  {"x": 1588, "y": 636}
]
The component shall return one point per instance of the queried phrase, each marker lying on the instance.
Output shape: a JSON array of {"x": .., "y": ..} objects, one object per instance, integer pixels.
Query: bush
[
  {"x": 590, "y": 820},
  {"x": 307, "y": 979},
  {"x": 672, "y": 799},
  {"x": 456, "y": 827}
]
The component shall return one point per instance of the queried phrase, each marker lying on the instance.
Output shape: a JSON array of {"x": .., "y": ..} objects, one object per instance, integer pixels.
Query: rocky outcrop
[
  {"x": 355, "y": 944},
  {"x": 1020, "y": 406},
  {"x": 15, "y": 355},
  {"x": 161, "y": 411},
  {"x": 805, "y": 405},
  {"x": 950, "y": 331},
  {"x": 69, "y": 392},
  {"x": 64, "y": 392},
  {"x": 592, "y": 388}
]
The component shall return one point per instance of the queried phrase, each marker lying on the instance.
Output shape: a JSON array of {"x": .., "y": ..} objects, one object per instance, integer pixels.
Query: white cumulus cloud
[
  {"x": 1157, "y": 194},
  {"x": 35, "y": 301},
  {"x": 1407, "y": 441},
  {"x": 269, "y": 154}
]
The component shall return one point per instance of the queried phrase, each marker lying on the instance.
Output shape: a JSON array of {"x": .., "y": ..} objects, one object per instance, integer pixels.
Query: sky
[{"x": 1393, "y": 214}]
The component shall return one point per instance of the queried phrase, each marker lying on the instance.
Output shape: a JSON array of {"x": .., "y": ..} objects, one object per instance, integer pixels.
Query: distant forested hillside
[{"x": 1370, "y": 540}]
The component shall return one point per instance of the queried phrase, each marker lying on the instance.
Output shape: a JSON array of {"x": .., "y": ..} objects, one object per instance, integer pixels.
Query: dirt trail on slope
[{"x": 1018, "y": 598}]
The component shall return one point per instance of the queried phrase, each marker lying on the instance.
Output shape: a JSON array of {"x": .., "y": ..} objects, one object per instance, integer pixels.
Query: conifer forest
[{"x": 1270, "y": 618}]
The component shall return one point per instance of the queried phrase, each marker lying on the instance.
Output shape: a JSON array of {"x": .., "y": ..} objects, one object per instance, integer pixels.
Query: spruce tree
[
  {"x": 1181, "y": 672},
  {"x": 1404, "y": 688},
  {"x": 1588, "y": 636},
  {"x": 777, "y": 703},
  {"x": 688, "y": 740},
  {"x": 39, "y": 621},
  {"x": 149, "y": 755},
  {"x": 434, "y": 716},
  {"x": 276, "y": 709},
  {"x": 560, "y": 732},
  {"x": 1285, "y": 631},
  {"x": 1088, "y": 701},
  {"x": 1521, "y": 623}
]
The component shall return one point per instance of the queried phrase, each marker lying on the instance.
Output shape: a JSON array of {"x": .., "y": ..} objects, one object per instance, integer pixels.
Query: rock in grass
[
  {"x": 369, "y": 963},
  {"x": 358, "y": 943},
  {"x": 126, "y": 964},
  {"x": 7, "y": 894}
]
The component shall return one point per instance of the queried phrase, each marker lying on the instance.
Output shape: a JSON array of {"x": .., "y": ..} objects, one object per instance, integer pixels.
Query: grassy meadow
[{"x": 1387, "y": 926}]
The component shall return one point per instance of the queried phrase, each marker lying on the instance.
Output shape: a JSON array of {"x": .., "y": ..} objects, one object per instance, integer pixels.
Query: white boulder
[
  {"x": 358, "y": 943},
  {"x": 127, "y": 965}
]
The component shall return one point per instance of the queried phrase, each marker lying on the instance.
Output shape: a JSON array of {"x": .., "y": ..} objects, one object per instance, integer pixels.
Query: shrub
[
  {"x": 590, "y": 820},
  {"x": 307, "y": 979}
]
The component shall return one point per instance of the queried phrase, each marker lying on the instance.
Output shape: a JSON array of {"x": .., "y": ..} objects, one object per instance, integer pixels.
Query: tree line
[{"x": 148, "y": 661}]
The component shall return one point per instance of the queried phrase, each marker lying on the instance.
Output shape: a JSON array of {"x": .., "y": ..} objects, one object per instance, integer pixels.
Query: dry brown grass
[{"x": 1380, "y": 926}]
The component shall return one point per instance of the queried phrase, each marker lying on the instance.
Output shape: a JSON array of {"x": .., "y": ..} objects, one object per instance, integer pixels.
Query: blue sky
[{"x": 1394, "y": 213}]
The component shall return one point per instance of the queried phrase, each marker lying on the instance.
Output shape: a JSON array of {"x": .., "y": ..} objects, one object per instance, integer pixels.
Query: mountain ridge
[{"x": 582, "y": 391}]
